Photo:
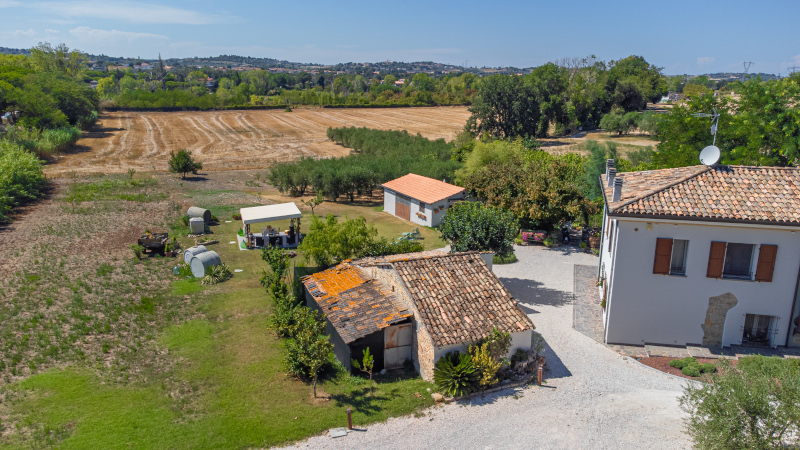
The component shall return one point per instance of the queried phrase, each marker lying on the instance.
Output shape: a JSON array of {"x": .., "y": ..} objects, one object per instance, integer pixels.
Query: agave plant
[
  {"x": 455, "y": 374},
  {"x": 216, "y": 274}
]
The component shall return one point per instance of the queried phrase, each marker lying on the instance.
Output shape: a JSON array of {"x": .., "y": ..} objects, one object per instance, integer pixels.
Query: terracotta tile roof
[
  {"x": 372, "y": 260},
  {"x": 757, "y": 195},
  {"x": 422, "y": 188},
  {"x": 355, "y": 306},
  {"x": 459, "y": 298}
]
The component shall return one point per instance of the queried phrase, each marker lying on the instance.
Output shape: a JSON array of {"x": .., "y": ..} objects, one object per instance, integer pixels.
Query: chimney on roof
[
  {"x": 609, "y": 165},
  {"x": 610, "y": 175},
  {"x": 617, "y": 190}
]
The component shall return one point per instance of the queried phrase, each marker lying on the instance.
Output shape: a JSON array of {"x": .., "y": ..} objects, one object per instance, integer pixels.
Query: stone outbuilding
[
  {"x": 419, "y": 199},
  {"x": 414, "y": 307}
]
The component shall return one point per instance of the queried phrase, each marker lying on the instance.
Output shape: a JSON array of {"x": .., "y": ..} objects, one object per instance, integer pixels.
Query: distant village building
[
  {"x": 701, "y": 255},
  {"x": 419, "y": 199},
  {"x": 414, "y": 307}
]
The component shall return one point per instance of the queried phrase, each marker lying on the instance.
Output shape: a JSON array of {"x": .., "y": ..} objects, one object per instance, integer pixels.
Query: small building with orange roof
[
  {"x": 419, "y": 199},
  {"x": 414, "y": 308}
]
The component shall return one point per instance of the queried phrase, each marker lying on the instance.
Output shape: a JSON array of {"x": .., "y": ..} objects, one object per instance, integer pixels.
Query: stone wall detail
[{"x": 718, "y": 308}]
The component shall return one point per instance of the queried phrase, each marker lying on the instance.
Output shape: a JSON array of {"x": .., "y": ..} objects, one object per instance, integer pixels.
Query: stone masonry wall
[
  {"x": 718, "y": 308},
  {"x": 422, "y": 351}
]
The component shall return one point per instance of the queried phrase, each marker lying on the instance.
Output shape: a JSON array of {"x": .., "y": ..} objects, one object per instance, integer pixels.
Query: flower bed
[{"x": 532, "y": 236}]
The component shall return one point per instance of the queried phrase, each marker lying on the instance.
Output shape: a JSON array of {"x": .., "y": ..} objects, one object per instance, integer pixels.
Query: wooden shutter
[
  {"x": 663, "y": 256},
  {"x": 766, "y": 262},
  {"x": 716, "y": 260}
]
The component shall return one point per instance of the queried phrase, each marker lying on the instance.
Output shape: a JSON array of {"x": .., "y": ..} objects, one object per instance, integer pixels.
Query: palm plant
[
  {"x": 455, "y": 374},
  {"x": 216, "y": 274}
]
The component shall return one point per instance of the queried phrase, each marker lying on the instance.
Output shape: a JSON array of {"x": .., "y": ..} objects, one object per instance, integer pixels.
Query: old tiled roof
[
  {"x": 355, "y": 306},
  {"x": 757, "y": 195},
  {"x": 422, "y": 188},
  {"x": 372, "y": 260},
  {"x": 459, "y": 298}
]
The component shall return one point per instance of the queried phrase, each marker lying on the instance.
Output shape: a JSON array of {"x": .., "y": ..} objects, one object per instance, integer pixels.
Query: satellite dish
[{"x": 710, "y": 155}]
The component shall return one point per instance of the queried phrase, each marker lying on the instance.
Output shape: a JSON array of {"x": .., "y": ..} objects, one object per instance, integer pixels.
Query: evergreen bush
[{"x": 455, "y": 374}]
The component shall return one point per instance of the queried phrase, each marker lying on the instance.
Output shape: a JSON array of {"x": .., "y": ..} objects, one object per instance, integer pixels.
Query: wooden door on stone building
[{"x": 396, "y": 345}]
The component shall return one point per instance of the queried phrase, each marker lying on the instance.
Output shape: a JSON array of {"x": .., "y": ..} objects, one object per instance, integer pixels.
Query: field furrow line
[
  {"x": 215, "y": 135},
  {"x": 123, "y": 140},
  {"x": 161, "y": 135},
  {"x": 150, "y": 142},
  {"x": 256, "y": 131},
  {"x": 308, "y": 122},
  {"x": 199, "y": 146},
  {"x": 230, "y": 132},
  {"x": 109, "y": 148}
]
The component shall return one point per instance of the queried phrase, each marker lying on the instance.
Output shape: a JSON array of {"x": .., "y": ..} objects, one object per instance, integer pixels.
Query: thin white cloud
[
  {"x": 18, "y": 34},
  {"x": 702, "y": 60},
  {"x": 9, "y": 3},
  {"x": 133, "y": 12},
  {"x": 86, "y": 33}
]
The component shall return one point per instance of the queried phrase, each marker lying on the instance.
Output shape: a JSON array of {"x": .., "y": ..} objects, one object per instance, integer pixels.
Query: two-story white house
[
  {"x": 419, "y": 199},
  {"x": 702, "y": 255}
]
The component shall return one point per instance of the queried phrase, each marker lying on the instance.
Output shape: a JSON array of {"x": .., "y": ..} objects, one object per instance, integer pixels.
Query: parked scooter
[{"x": 565, "y": 232}]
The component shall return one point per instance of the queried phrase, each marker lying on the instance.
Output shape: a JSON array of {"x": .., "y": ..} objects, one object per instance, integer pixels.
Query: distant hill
[
  {"x": 232, "y": 61},
  {"x": 14, "y": 51}
]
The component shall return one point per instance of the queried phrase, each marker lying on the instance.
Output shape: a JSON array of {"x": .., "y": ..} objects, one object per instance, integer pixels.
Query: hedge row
[{"x": 378, "y": 156}]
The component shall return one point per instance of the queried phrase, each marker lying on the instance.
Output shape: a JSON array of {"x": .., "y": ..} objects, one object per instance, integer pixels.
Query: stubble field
[{"x": 225, "y": 140}]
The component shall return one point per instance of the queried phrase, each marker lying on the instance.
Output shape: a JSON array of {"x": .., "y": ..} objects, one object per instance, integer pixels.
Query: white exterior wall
[
  {"x": 427, "y": 212},
  {"x": 643, "y": 307},
  {"x": 519, "y": 339},
  {"x": 431, "y": 219},
  {"x": 389, "y": 200}
]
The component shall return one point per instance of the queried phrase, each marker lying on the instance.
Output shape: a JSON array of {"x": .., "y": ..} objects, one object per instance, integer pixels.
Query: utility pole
[
  {"x": 793, "y": 69},
  {"x": 746, "y": 65}
]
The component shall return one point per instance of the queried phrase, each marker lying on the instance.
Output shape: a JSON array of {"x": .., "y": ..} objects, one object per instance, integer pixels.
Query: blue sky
[{"x": 682, "y": 37}]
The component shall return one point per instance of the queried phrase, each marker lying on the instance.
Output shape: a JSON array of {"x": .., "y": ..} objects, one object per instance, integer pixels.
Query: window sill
[
  {"x": 731, "y": 278},
  {"x": 679, "y": 275}
]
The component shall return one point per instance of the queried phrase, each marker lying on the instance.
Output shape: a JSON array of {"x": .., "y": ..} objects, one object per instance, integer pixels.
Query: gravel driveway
[{"x": 594, "y": 397}]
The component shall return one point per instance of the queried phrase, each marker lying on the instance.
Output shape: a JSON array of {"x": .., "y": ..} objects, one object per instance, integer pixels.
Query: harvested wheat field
[{"x": 237, "y": 139}]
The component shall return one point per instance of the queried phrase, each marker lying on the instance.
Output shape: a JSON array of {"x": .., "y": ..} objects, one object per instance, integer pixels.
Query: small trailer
[{"x": 155, "y": 242}]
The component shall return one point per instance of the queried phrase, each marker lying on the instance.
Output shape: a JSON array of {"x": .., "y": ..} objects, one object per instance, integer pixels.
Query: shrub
[
  {"x": 310, "y": 349},
  {"x": 216, "y": 274},
  {"x": 455, "y": 374},
  {"x": 681, "y": 363},
  {"x": 691, "y": 370},
  {"x": 752, "y": 405},
  {"x": 21, "y": 177},
  {"x": 582, "y": 245},
  {"x": 507, "y": 259},
  {"x": 485, "y": 364},
  {"x": 472, "y": 226},
  {"x": 137, "y": 250},
  {"x": 236, "y": 216},
  {"x": 548, "y": 241},
  {"x": 183, "y": 163}
]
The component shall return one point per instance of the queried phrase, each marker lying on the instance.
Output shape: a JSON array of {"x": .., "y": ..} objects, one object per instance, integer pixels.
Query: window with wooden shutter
[
  {"x": 663, "y": 256},
  {"x": 716, "y": 260},
  {"x": 766, "y": 262}
]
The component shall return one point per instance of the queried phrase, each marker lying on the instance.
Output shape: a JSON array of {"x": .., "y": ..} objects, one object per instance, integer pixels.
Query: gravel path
[{"x": 594, "y": 397}]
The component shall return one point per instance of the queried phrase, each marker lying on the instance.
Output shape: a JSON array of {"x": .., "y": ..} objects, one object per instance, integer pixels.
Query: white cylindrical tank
[
  {"x": 204, "y": 260},
  {"x": 195, "y": 211},
  {"x": 191, "y": 252},
  {"x": 196, "y": 225}
]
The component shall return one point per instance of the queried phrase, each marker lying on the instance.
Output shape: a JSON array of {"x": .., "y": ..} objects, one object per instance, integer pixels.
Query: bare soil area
[{"x": 237, "y": 139}]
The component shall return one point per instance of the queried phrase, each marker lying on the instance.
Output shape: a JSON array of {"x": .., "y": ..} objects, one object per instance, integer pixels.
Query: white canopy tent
[{"x": 270, "y": 213}]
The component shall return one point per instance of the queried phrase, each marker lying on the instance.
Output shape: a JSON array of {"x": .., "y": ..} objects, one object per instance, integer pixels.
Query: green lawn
[{"x": 227, "y": 387}]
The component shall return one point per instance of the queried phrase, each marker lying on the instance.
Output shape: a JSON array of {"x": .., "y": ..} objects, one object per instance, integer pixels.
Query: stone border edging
[{"x": 511, "y": 385}]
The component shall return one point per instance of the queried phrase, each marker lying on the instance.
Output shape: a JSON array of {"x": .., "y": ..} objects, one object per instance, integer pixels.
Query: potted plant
[
  {"x": 594, "y": 239},
  {"x": 583, "y": 245},
  {"x": 548, "y": 242},
  {"x": 168, "y": 250}
]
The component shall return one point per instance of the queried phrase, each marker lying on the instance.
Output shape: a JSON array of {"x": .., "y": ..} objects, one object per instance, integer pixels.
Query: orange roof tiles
[
  {"x": 422, "y": 188},
  {"x": 355, "y": 306},
  {"x": 761, "y": 195}
]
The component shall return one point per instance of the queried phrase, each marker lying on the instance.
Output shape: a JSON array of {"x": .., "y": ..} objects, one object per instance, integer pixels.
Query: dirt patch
[
  {"x": 237, "y": 139},
  {"x": 662, "y": 363}
]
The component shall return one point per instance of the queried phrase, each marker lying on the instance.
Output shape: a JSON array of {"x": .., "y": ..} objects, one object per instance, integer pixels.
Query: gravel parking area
[{"x": 594, "y": 397}]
